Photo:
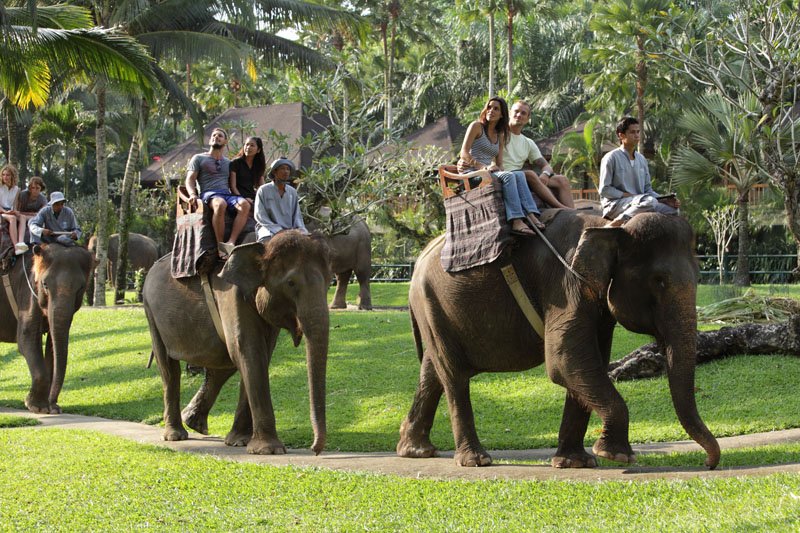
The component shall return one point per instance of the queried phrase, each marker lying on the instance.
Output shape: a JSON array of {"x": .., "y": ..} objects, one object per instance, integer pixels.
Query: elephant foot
[
  {"x": 236, "y": 439},
  {"x": 473, "y": 458},
  {"x": 175, "y": 434},
  {"x": 35, "y": 406},
  {"x": 618, "y": 454},
  {"x": 55, "y": 409},
  {"x": 266, "y": 447},
  {"x": 195, "y": 421},
  {"x": 365, "y": 307},
  {"x": 339, "y": 305},
  {"x": 419, "y": 449},
  {"x": 579, "y": 459}
]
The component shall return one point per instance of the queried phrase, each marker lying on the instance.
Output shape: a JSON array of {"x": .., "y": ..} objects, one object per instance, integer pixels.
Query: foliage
[
  {"x": 723, "y": 222},
  {"x": 749, "y": 307}
]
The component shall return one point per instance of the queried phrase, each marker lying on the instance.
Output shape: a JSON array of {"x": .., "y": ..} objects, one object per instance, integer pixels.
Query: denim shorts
[{"x": 231, "y": 199}]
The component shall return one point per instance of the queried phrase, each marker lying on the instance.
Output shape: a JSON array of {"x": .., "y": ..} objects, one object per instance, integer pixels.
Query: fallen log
[{"x": 648, "y": 361}]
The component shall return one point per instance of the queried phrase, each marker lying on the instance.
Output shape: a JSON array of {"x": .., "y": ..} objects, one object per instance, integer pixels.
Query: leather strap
[
  {"x": 212, "y": 305},
  {"x": 10, "y": 295},
  {"x": 522, "y": 299}
]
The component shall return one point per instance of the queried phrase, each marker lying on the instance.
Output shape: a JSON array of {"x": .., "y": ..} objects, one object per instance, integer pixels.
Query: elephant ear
[
  {"x": 244, "y": 267},
  {"x": 596, "y": 256}
]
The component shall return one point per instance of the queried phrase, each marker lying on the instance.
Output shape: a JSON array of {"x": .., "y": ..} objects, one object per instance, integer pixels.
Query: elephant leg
[
  {"x": 595, "y": 390},
  {"x": 170, "y": 370},
  {"x": 364, "y": 294},
  {"x": 340, "y": 297},
  {"x": 49, "y": 362},
  {"x": 574, "y": 421},
  {"x": 416, "y": 428},
  {"x": 242, "y": 429},
  {"x": 30, "y": 346},
  {"x": 195, "y": 415},
  {"x": 469, "y": 451}
]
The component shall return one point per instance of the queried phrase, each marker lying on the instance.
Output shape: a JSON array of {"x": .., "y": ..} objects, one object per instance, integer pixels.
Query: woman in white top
[{"x": 8, "y": 198}]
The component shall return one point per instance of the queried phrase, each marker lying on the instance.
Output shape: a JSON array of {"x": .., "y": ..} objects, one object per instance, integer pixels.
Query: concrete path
[{"x": 437, "y": 468}]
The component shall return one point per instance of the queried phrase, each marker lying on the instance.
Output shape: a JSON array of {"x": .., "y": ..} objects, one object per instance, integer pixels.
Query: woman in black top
[{"x": 248, "y": 168}]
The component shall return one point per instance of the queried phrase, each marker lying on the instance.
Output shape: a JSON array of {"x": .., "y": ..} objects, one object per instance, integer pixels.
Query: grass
[
  {"x": 91, "y": 481},
  {"x": 12, "y": 421}
]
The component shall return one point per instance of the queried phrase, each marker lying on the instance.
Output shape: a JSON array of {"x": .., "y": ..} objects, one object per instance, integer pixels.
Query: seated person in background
[
  {"x": 625, "y": 187},
  {"x": 211, "y": 171},
  {"x": 248, "y": 168},
  {"x": 552, "y": 188},
  {"x": 482, "y": 153},
  {"x": 55, "y": 222},
  {"x": 29, "y": 202},
  {"x": 277, "y": 203},
  {"x": 8, "y": 197}
]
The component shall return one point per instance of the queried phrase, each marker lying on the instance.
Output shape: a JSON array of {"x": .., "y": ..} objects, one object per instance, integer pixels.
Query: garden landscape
[{"x": 362, "y": 111}]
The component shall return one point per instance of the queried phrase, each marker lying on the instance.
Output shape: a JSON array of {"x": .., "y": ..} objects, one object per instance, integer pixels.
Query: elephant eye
[{"x": 292, "y": 283}]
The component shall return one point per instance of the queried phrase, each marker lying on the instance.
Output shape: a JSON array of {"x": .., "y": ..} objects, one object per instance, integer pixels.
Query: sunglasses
[{"x": 217, "y": 164}]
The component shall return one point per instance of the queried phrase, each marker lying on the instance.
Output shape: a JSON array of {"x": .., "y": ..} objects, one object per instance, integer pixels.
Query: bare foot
[
  {"x": 518, "y": 227},
  {"x": 535, "y": 221}
]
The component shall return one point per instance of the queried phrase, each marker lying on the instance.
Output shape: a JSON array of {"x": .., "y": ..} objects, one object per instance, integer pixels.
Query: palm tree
[
  {"x": 57, "y": 42},
  {"x": 724, "y": 145},
  {"x": 581, "y": 152},
  {"x": 624, "y": 31},
  {"x": 475, "y": 10}
]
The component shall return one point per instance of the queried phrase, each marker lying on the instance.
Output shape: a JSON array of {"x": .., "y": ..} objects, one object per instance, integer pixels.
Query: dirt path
[{"x": 437, "y": 468}]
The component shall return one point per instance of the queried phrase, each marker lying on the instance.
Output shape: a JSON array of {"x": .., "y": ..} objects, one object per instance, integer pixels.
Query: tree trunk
[
  {"x": 742, "y": 277},
  {"x": 125, "y": 220},
  {"x": 102, "y": 197},
  {"x": 753, "y": 339},
  {"x": 641, "y": 85},
  {"x": 11, "y": 125},
  {"x": 510, "y": 54},
  {"x": 791, "y": 204},
  {"x": 491, "y": 54}
]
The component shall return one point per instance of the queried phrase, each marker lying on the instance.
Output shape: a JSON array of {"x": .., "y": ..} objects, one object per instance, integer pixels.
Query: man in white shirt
[
  {"x": 277, "y": 205},
  {"x": 552, "y": 188},
  {"x": 625, "y": 187}
]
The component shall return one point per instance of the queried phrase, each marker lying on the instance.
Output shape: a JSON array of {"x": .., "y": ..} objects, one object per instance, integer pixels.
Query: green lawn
[{"x": 76, "y": 480}]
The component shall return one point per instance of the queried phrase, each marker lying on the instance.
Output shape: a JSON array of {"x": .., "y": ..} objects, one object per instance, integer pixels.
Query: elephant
[
  {"x": 351, "y": 251},
  {"x": 642, "y": 275},
  {"x": 47, "y": 285},
  {"x": 142, "y": 253},
  {"x": 259, "y": 290}
]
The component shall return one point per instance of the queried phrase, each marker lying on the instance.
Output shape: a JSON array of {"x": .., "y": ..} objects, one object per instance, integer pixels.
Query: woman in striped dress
[{"x": 482, "y": 156}]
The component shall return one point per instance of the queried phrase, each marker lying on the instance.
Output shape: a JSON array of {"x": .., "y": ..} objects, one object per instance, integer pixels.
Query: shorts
[{"x": 231, "y": 199}]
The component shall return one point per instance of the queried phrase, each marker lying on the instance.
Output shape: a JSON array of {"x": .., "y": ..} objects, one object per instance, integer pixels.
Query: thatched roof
[
  {"x": 446, "y": 133},
  {"x": 286, "y": 119}
]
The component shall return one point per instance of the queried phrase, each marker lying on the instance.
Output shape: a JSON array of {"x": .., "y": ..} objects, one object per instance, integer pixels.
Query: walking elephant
[
  {"x": 261, "y": 289},
  {"x": 642, "y": 275},
  {"x": 46, "y": 289},
  {"x": 142, "y": 253}
]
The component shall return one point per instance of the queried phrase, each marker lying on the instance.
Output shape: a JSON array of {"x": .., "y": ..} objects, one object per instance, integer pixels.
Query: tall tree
[
  {"x": 723, "y": 147},
  {"x": 623, "y": 52},
  {"x": 474, "y": 10}
]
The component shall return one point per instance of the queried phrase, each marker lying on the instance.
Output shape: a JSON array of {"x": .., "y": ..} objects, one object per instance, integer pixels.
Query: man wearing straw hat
[
  {"x": 277, "y": 205},
  {"x": 55, "y": 222}
]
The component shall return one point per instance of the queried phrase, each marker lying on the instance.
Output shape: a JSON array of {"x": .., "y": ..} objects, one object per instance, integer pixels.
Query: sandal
[
  {"x": 522, "y": 230},
  {"x": 534, "y": 222}
]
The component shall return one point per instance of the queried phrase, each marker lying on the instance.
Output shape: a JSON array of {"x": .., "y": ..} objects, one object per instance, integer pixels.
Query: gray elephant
[
  {"x": 261, "y": 289},
  {"x": 642, "y": 275},
  {"x": 46, "y": 286},
  {"x": 142, "y": 253}
]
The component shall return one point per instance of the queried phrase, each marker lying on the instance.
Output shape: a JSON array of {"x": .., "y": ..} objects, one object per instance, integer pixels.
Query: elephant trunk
[
  {"x": 315, "y": 327},
  {"x": 60, "y": 321},
  {"x": 681, "y": 353}
]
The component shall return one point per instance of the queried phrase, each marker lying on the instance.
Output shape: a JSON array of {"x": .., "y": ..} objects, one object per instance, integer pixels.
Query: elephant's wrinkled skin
[
  {"x": 260, "y": 290},
  {"x": 643, "y": 275},
  {"x": 48, "y": 285}
]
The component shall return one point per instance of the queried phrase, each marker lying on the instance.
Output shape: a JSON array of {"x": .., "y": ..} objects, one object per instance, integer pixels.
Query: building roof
[
  {"x": 289, "y": 120},
  {"x": 445, "y": 133}
]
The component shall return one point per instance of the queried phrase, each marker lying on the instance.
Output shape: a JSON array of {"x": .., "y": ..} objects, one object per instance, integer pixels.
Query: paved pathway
[{"x": 440, "y": 467}]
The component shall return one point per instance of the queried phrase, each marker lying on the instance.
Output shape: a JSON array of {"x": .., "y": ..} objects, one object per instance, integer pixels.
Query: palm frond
[{"x": 191, "y": 46}]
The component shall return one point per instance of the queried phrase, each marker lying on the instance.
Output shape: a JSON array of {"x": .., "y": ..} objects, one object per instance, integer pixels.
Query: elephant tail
[{"x": 415, "y": 331}]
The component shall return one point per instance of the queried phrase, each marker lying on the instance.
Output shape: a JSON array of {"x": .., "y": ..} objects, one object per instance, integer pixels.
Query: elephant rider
[
  {"x": 625, "y": 187},
  {"x": 55, "y": 222},
  {"x": 277, "y": 204},
  {"x": 552, "y": 188},
  {"x": 211, "y": 171}
]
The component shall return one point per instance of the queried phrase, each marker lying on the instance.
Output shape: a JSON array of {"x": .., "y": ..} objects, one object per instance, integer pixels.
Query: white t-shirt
[
  {"x": 518, "y": 150},
  {"x": 8, "y": 196}
]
